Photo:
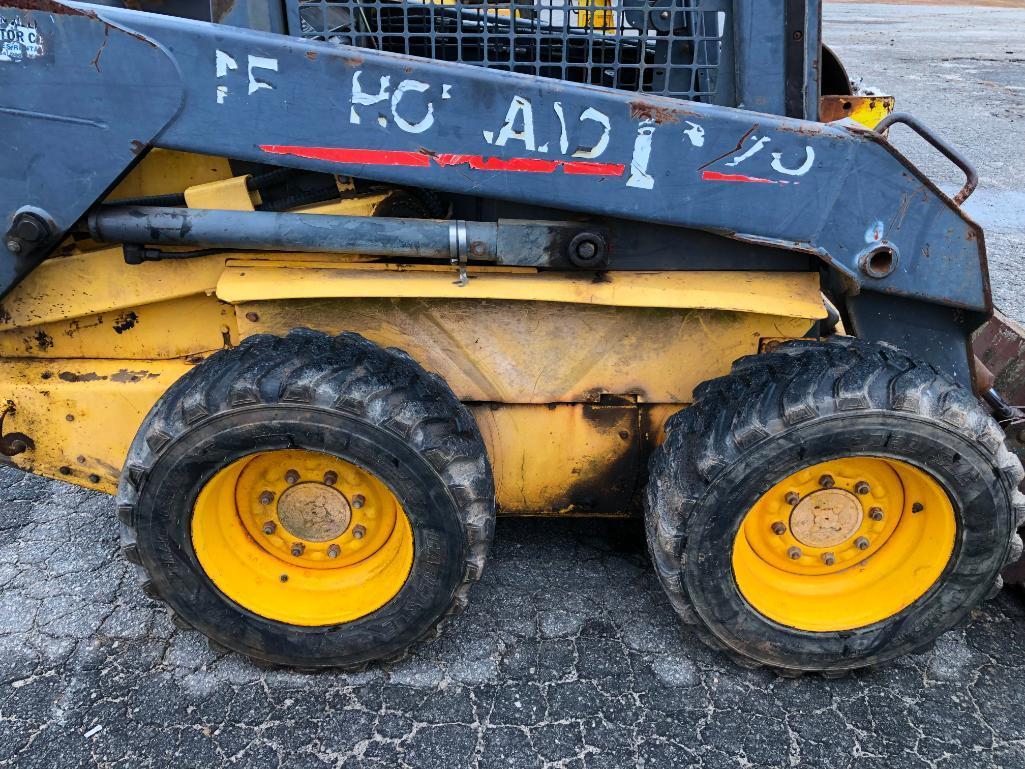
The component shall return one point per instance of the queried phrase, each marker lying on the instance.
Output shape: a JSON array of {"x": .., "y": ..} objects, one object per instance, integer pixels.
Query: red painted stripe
[
  {"x": 715, "y": 176},
  {"x": 423, "y": 160},
  {"x": 353, "y": 156}
]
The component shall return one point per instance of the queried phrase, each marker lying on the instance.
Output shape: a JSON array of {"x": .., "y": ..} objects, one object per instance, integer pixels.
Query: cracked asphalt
[{"x": 569, "y": 655}]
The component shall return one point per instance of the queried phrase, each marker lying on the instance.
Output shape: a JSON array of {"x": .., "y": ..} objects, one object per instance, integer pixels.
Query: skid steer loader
[{"x": 318, "y": 287}]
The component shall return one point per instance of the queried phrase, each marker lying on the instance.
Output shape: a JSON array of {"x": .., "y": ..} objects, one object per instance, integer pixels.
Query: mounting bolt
[
  {"x": 269, "y": 528},
  {"x": 828, "y": 558},
  {"x": 266, "y": 497},
  {"x": 292, "y": 476},
  {"x": 917, "y": 507},
  {"x": 297, "y": 549},
  {"x": 664, "y": 15},
  {"x": 358, "y": 500},
  {"x": 252, "y": 317},
  {"x": 861, "y": 543},
  {"x": 794, "y": 553},
  {"x": 283, "y": 578},
  {"x": 333, "y": 551},
  {"x": 862, "y": 488},
  {"x": 779, "y": 528},
  {"x": 358, "y": 532},
  {"x": 827, "y": 482},
  {"x": 792, "y": 497},
  {"x": 330, "y": 477},
  {"x": 876, "y": 514},
  {"x": 14, "y": 246}
]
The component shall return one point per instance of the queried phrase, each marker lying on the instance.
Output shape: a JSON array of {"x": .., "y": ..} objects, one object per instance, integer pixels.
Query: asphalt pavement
[{"x": 569, "y": 655}]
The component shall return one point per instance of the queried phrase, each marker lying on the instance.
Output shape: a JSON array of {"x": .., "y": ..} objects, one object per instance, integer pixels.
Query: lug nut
[
  {"x": 861, "y": 543},
  {"x": 792, "y": 498},
  {"x": 292, "y": 476},
  {"x": 283, "y": 578},
  {"x": 862, "y": 488},
  {"x": 333, "y": 551},
  {"x": 917, "y": 507},
  {"x": 358, "y": 500},
  {"x": 794, "y": 553},
  {"x": 779, "y": 528},
  {"x": 297, "y": 549},
  {"x": 330, "y": 477},
  {"x": 358, "y": 532},
  {"x": 827, "y": 482},
  {"x": 876, "y": 514},
  {"x": 828, "y": 558},
  {"x": 269, "y": 528},
  {"x": 266, "y": 497}
]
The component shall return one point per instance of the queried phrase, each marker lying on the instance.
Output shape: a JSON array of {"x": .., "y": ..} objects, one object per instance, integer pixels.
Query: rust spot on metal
[
  {"x": 640, "y": 110},
  {"x": 106, "y": 36},
  {"x": 48, "y": 6},
  {"x": 43, "y": 340},
  {"x": 137, "y": 146},
  {"x": 5, "y": 317},
  {"x": 219, "y": 9},
  {"x": 311, "y": 55},
  {"x": 125, "y": 322},
  {"x": 70, "y": 376}
]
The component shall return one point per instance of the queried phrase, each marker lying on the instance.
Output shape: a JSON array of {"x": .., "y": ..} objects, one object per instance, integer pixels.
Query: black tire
[
  {"x": 807, "y": 402},
  {"x": 343, "y": 396}
]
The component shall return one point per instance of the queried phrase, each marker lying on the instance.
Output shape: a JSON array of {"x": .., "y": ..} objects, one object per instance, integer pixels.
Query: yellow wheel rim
[
  {"x": 844, "y": 544},
  {"x": 302, "y": 537}
]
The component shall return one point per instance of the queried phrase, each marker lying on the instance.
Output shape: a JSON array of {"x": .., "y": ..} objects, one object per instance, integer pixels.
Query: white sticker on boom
[{"x": 19, "y": 40}]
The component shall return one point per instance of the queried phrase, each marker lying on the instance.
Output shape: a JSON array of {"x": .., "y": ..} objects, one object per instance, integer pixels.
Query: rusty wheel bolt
[
  {"x": 266, "y": 497},
  {"x": 333, "y": 551},
  {"x": 358, "y": 532},
  {"x": 330, "y": 477},
  {"x": 778, "y": 528},
  {"x": 861, "y": 543},
  {"x": 297, "y": 549},
  {"x": 917, "y": 507},
  {"x": 827, "y": 482},
  {"x": 792, "y": 497},
  {"x": 269, "y": 528},
  {"x": 292, "y": 476},
  {"x": 283, "y": 578},
  {"x": 876, "y": 514},
  {"x": 828, "y": 558},
  {"x": 358, "y": 500},
  {"x": 862, "y": 488},
  {"x": 794, "y": 553}
]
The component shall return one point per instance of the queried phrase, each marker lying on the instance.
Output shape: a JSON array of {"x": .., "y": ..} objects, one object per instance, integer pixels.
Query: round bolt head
[
  {"x": 333, "y": 551},
  {"x": 876, "y": 514},
  {"x": 283, "y": 578},
  {"x": 269, "y": 528},
  {"x": 794, "y": 553},
  {"x": 292, "y": 476},
  {"x": 779, "y": 528},
  {"x": 358, "y": 500},
  {"x": 861, "y": 543},
  {"x": 252, "y": 317},
  {"x": 828, "y": 559},
  {"x": 586, "y": 250},
  {"x": 917, "y": 507},
  {"x": 792, "y": 498},
  {"x": 14, "y": 246},
  {"x": 298, "y": 549},
  {"x": 330, "y": 478},
  {"x": 358, "y": 532},
  {"x": 266, "y": 497},
  {"x": 664, "y": 14},
  {"x": 827, "y": 482},
  {"x": 862, "y": 488}
]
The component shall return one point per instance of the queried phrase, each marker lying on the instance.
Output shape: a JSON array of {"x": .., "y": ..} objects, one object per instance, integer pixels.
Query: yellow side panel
[
  {"x": 165, "y": 171},
  {"x": 541, "y": 352},
  {"x": 80, "y": 416},
  {"x": 778, "y": 293},
  {"x": 173, "y": 329}
]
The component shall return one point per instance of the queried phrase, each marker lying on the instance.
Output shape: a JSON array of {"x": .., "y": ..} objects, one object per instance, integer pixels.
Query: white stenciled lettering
[
  {"x": 603, "y": 141},
  {"x": 639, "y": 176},
  {"x": 421, "y": 125},
  {"x": 563, "y": 135},
  {"x": 260, "y": 62},
  {"x": 223, "y": 63},
  {"x": 519, "y": 111},
  {"x": 809, "y": 159},
  {"x": 759, "y": 143},
  {"x": 361, "y": 97},
  {"x": 696, "y": 134}
]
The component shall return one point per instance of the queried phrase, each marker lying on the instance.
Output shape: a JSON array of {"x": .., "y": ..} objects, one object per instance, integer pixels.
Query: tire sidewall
[
  {"x": 169, "y": 491},
  {"x": 984, "y": 525}
]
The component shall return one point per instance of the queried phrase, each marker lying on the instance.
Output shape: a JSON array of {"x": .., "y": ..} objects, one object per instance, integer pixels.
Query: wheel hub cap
[
  {"x": 314, "y": 512},
  {"x": 826, "y": 518}
]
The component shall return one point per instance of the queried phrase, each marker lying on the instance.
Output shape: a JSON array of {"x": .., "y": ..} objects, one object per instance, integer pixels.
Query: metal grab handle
[{"x": 949, "y": 152}]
